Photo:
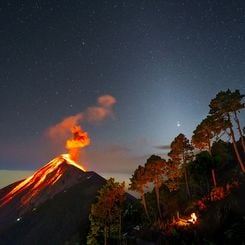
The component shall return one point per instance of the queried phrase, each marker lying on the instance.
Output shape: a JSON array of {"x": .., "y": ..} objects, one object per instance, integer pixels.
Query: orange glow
[
  {"x": 40, "y": 180},
  {"x": 186, "y": 222},
  {"x": 80, "y": 140},
  {"x": 193, "y": 218}
]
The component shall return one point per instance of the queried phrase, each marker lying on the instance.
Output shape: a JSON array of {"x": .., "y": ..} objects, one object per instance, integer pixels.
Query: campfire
[
  {"x": 193, "y": 218},
  {"x": 185, "y": 221}
]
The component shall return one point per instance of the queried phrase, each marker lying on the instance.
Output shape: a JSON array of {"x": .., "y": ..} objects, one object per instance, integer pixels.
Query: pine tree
[
  {"x": 156, "y": 168},
  {"x": 203, "y": 137},
  {"x": 105, "y": 215},
  {"x": 224, "y": 107},
  {"x": 181, "y": 154}
]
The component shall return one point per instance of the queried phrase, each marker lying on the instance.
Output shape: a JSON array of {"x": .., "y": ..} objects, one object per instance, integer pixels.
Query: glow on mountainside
[{"x": 40, "y": 179}]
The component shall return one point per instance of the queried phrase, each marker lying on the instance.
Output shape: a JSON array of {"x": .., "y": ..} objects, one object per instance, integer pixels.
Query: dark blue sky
[{"x": 163, "y": 61}]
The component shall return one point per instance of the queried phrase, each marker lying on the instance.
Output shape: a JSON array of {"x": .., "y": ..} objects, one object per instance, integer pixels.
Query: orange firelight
[
  {"x": 193, "y": 218},
  {"x": 186, "y": 222}
]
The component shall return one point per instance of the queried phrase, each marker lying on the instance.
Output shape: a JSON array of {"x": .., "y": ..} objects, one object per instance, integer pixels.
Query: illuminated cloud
[
  {"x": 93, "y": 114},
  {"x": 162, "y": 147}
]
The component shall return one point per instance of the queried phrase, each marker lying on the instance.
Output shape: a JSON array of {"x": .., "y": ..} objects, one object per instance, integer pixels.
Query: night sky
[{"x": 163, "y": 61}]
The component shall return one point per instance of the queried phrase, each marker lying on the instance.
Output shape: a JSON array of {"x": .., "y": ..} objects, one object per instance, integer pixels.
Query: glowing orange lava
[{"x": 80, "y": 140}]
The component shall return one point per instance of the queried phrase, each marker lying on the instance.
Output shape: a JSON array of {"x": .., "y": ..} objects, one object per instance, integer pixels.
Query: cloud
[
  {"x": 162, "y": 147},
  {"x": 93, "y": 114}
]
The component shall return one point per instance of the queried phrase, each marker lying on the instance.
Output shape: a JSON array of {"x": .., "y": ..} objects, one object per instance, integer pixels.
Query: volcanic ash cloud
[{"x": 80, "y": 139}]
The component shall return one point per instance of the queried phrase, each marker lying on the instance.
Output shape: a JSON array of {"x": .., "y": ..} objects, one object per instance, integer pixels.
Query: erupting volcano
[
  {"x": 56, "y": 176},
  {"x": 52, "y": 205},
  {"x": 38, "y": 187}
]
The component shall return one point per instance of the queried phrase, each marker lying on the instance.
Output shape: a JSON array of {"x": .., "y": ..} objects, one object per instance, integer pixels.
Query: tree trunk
[
  {"x": 236, "y": 150},
  {"x": 158, "y": 200},
  {"x": 120, "y": 228},
  {"x": 144, "y": 204},
  {"x": 105, "y": 235},
  {"x": 208, "y": 185},
  {"x": 214, "y": 178},
  {"x": 187, "y": 184},
  {"x": 212, "y": 170},
  {"x": 209, "y": 142},
  {"x": 239, "y": 130}
]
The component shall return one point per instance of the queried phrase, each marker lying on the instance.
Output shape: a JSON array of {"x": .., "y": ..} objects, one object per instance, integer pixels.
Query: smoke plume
[
  {"x": 61, "y": 129},
  {"x": 80, "y": 139},
  {"x": 93, "y": 114},
  {"x": 102, "y": 110}
]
